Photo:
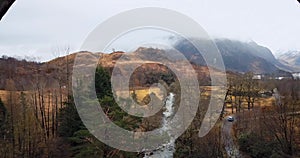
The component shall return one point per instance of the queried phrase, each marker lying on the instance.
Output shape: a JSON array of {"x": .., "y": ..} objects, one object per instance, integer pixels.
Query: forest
[{"x": 44, "y": 122}]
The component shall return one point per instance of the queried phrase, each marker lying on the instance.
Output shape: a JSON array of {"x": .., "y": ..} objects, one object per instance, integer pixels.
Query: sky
[{"x": 42, "y": 29}]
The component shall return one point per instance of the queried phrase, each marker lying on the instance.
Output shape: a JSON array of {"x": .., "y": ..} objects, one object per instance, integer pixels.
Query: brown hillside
[{"x": 25, "y": 75}]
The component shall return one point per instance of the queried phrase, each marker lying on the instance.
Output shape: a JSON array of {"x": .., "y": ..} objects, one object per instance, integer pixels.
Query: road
[
  {"x": 227, "y": 138},
  {"x": 231, "y": 146}
]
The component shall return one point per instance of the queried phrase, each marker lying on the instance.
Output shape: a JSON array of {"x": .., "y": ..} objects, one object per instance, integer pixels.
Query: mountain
[
  {"x": 237, "y": 56},
  {"x": 291, "y": 58},
  {"x": 23, "y": 75}
]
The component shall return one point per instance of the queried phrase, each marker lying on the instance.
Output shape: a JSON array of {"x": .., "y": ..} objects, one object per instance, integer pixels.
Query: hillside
[
  {"x": 238, "y": 56},
  {"x": 291, "y": 58},
  {"x": 24, "y": 75}
]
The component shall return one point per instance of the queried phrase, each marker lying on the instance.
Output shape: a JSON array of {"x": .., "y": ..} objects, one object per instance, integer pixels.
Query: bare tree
[{"x": 281, "y": 120}]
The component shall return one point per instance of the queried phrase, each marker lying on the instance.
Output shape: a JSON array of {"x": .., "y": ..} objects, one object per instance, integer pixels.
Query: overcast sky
[{"x": 39, "y": 27}]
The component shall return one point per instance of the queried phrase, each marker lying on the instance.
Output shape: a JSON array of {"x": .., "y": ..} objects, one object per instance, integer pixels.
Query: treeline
[
  {"x": 34, "y": 93},
  {"x": 242, "y": 88},
  {"x": 45, "y": 123},
  {"x": 269, "y": 128},
  {"x": 30, "y": 122},
  {"x": 73, "y": 131}
]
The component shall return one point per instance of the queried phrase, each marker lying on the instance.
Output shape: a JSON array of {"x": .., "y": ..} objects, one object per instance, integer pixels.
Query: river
[{"x": 165, "y": 150}]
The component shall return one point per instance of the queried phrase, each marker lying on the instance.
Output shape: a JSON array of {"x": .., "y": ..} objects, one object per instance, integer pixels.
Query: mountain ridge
[
  {"x": 290, "y": 58},
  {"x": 238, "y": 57}
]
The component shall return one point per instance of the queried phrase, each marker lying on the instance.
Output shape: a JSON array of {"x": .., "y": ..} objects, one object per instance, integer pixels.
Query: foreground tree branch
[{"x": 4, "y": 6}]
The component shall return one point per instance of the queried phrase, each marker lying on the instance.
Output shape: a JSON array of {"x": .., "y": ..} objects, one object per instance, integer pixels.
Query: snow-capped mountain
[{"x": 290, "y": 58}]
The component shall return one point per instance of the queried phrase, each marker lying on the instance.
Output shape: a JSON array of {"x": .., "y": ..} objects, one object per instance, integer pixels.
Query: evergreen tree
[
  {"x": 69, "y": 119},
  {"x": 102, "y": 83},
  {"x": 83, "y": 143},
  {"x": 3, "y": 118}
]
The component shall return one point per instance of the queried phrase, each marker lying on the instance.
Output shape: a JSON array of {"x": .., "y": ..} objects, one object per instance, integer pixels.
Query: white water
[{"x": 165, "y": 150}]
